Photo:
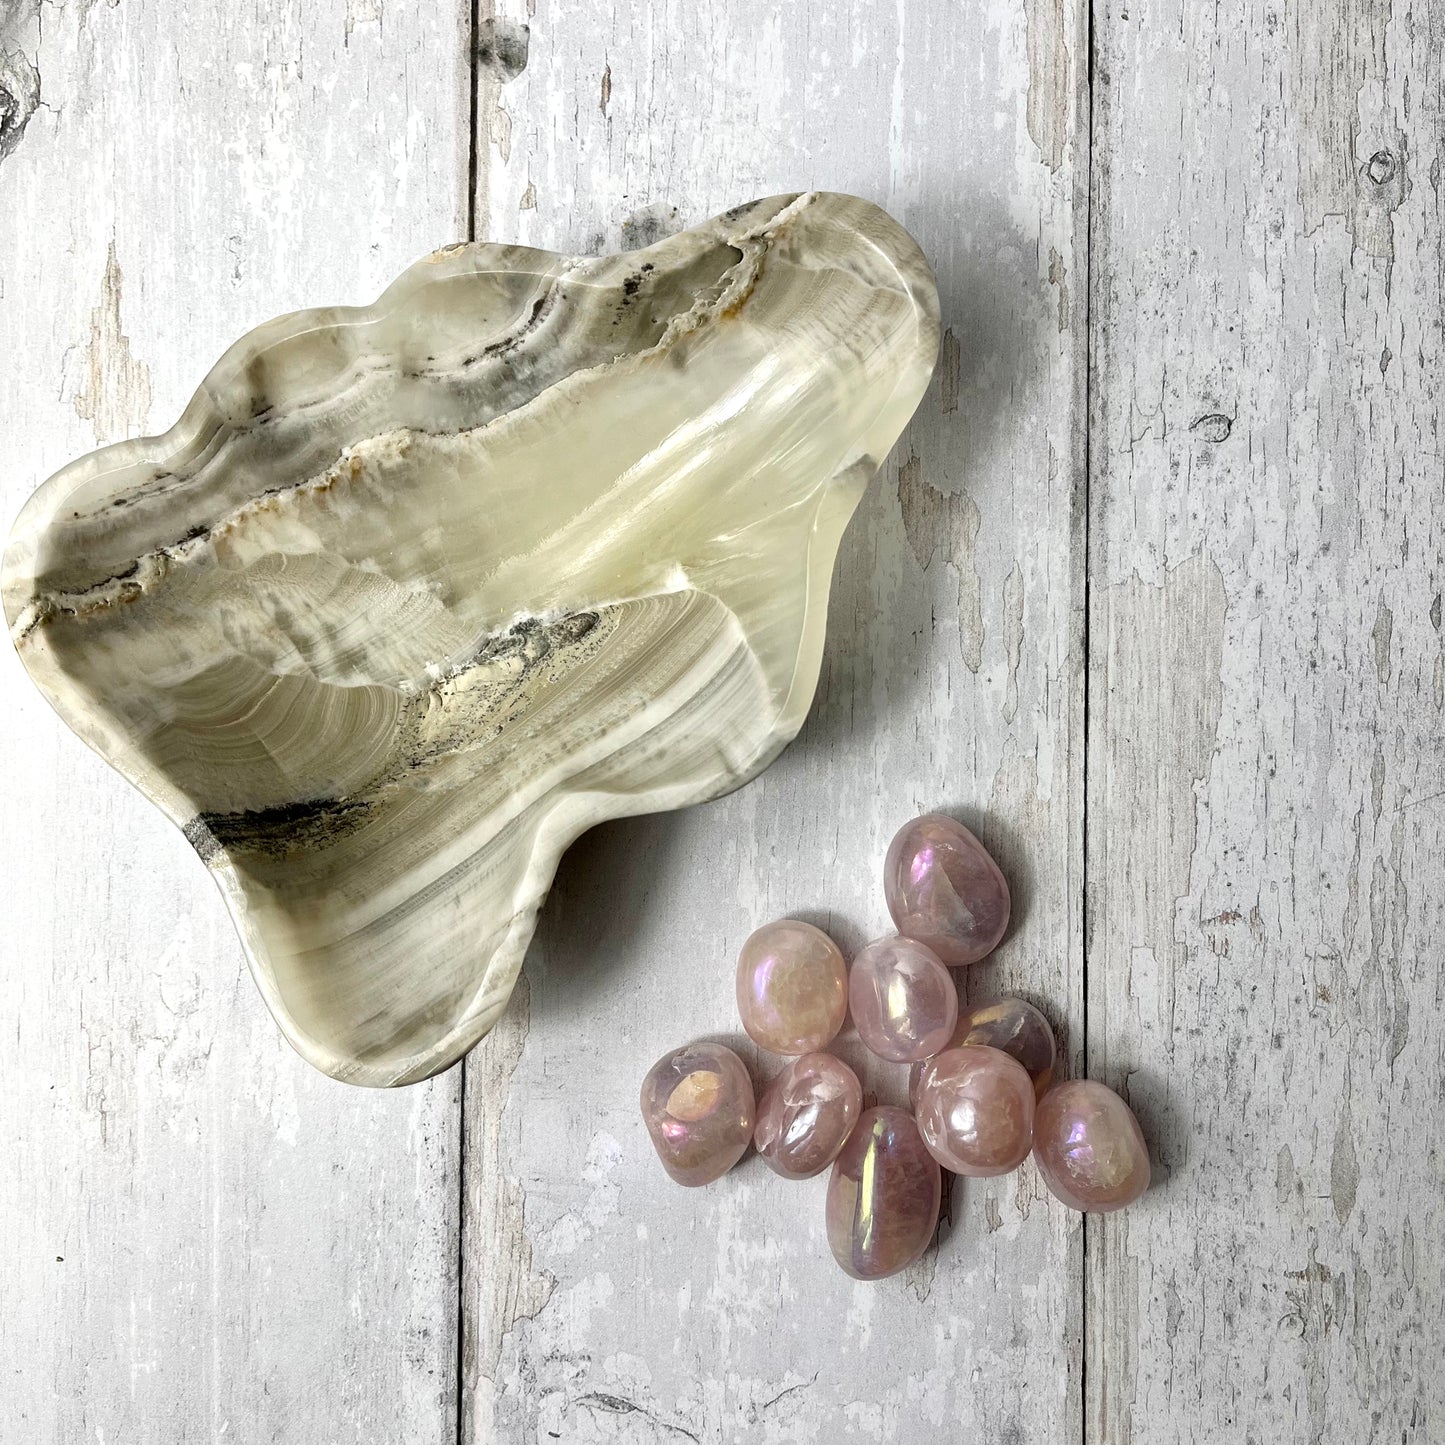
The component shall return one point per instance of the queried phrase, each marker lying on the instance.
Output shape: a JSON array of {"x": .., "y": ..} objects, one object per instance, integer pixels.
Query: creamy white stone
[{"x": 414, "y": 593}]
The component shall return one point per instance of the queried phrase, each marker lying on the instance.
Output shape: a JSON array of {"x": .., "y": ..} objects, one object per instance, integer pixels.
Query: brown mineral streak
[
  {"x": 116, "y": 395},
  {"x": 1047, "y": 107}
]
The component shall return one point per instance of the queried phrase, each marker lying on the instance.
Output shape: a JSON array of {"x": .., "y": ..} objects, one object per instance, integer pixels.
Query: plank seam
[
  {"x": 460, "y": 1385},
  {"x": 1088, "y": 297}
]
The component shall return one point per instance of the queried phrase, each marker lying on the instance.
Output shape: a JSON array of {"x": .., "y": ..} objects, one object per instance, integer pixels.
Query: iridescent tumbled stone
[
  {"x": 903, "y": 999},
  {"x": 976, "y": 1110},
  {"x": 944, "y": 890},
  {"x": 697, "y": 1103},
  {"x": 883, "y": 1196},
  {"x": 1011, "y": 1024},
  {"x": 792, "y": 987},
  {"x": 805, "y": 1115},
  {"x": 1089, "y": 1147}
]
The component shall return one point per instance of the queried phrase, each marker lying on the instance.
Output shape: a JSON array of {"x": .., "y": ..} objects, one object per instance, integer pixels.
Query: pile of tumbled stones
[{"x": 980, "y": 1081}]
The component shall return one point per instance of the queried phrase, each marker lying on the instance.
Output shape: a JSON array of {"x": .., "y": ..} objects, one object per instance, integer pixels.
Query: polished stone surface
[
  {"x": 792, "y": 987},
  {"x": 806, "y": 1114},
  {"x": 903, "y": 1000},
  {"x": 883, "y": 1196},
  {"x": 1011, "y": 1024},
  {"x": 415, "y": 593},
  {"x": 1089, "y": 1147},
  {"x": 697, "y": 1103},
  {"x": 976, "y": 1110},
  {"x": 944, "y": 890}
]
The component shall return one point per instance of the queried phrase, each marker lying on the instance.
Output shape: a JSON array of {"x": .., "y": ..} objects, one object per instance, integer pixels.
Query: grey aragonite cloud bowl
[{"x": 414, "y": 593}]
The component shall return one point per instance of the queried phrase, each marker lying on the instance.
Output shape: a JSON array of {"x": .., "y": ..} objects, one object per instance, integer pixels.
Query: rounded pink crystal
[
  {"x": 976, "y": 1110},
  {"x": 944, "y": 890},
  {"x": 883, "y": 1196},
  {"x": 1011, "y": 1024},
  {"x": 806, "y": 1114},
  {"x": 1089, "y": 1147},
  {"x": 697, "y": 1103},
  {"x": 792, "y": 987},
  {"x": 903, "y": 999}
]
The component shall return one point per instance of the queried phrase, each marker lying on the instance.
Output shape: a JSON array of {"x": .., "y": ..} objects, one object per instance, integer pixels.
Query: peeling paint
[
  {"x": 1384, "y": 631},
  {"x": 1284, "y": 1176},
  {"x": 946, "y": 523},
  {"x": 1059, "y": 277},
  {"x": 1013, "y": 637},
  {"x": 114, "y": 395},
  {"x": 1161, "y": 754},
  {"x": 948, "y": 373},
  {"x": 1331, "y": 65},
  {"x": 495, "y": 1203},
  {"x": 501, "y": 50},
  {"x": 361, "y": 12},
  {"x": 1046, "y": 109},
  {"x": 1344, "y": 1166},
  {"x": 993, "y": 1220}
]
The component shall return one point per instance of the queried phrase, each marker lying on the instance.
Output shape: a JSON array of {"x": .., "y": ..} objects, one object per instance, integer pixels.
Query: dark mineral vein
[{"x": 309, "y": 824}]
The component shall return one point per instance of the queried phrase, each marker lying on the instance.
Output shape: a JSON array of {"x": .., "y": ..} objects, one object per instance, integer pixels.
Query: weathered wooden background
[{"x": 1149, "y": 593}]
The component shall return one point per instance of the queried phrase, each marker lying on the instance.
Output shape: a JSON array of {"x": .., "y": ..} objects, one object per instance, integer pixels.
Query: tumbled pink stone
[
  {"x": 697, "y": 1103},
  {"x": 976, "y": 1110},
  {"x": 903, "y": 999},
  {"x": 1011, "y": 1024},
  {"x": 944, "y": 890},
  {"x": 792, "y": 987},
  {"x": 883, "y": 1196},
  {"x": 806, "y": 1114},
  {"x": 1089, "y": 1147}
]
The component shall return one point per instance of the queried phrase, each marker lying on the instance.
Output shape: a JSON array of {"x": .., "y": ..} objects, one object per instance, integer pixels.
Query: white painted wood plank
[
  {"x": 1267, "y": 742},
  {"x": 204, "y": 1238},
  {"x": 602, "y": 1302}
]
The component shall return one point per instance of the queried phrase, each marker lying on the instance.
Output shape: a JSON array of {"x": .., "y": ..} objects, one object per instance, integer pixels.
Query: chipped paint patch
[
  {"x": 1344, "y": 1166},
  {"x": 947, "y": 524},
  {"x": 1059, "y": 277},
  {"x": 949, "y": 360},
  {"x": 361, "y": 12},
  {"x": 509, "y": 1290},
  {"x": 1013, "y": 638},
  {"x": 1164, "y": 756},
  {"x": 114, "y": 395},
  {"x": 1382, "y": 634},
  {"x": 1046, "y": 109}
]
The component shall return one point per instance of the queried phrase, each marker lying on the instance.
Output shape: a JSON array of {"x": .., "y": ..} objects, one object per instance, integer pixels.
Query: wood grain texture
[
  {"x": 601, "y": 1301},
  {"x": 204, "y": 1238},
  {"x": 207, "y": 1240},
  {"x": 1266, "y": 794}
]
